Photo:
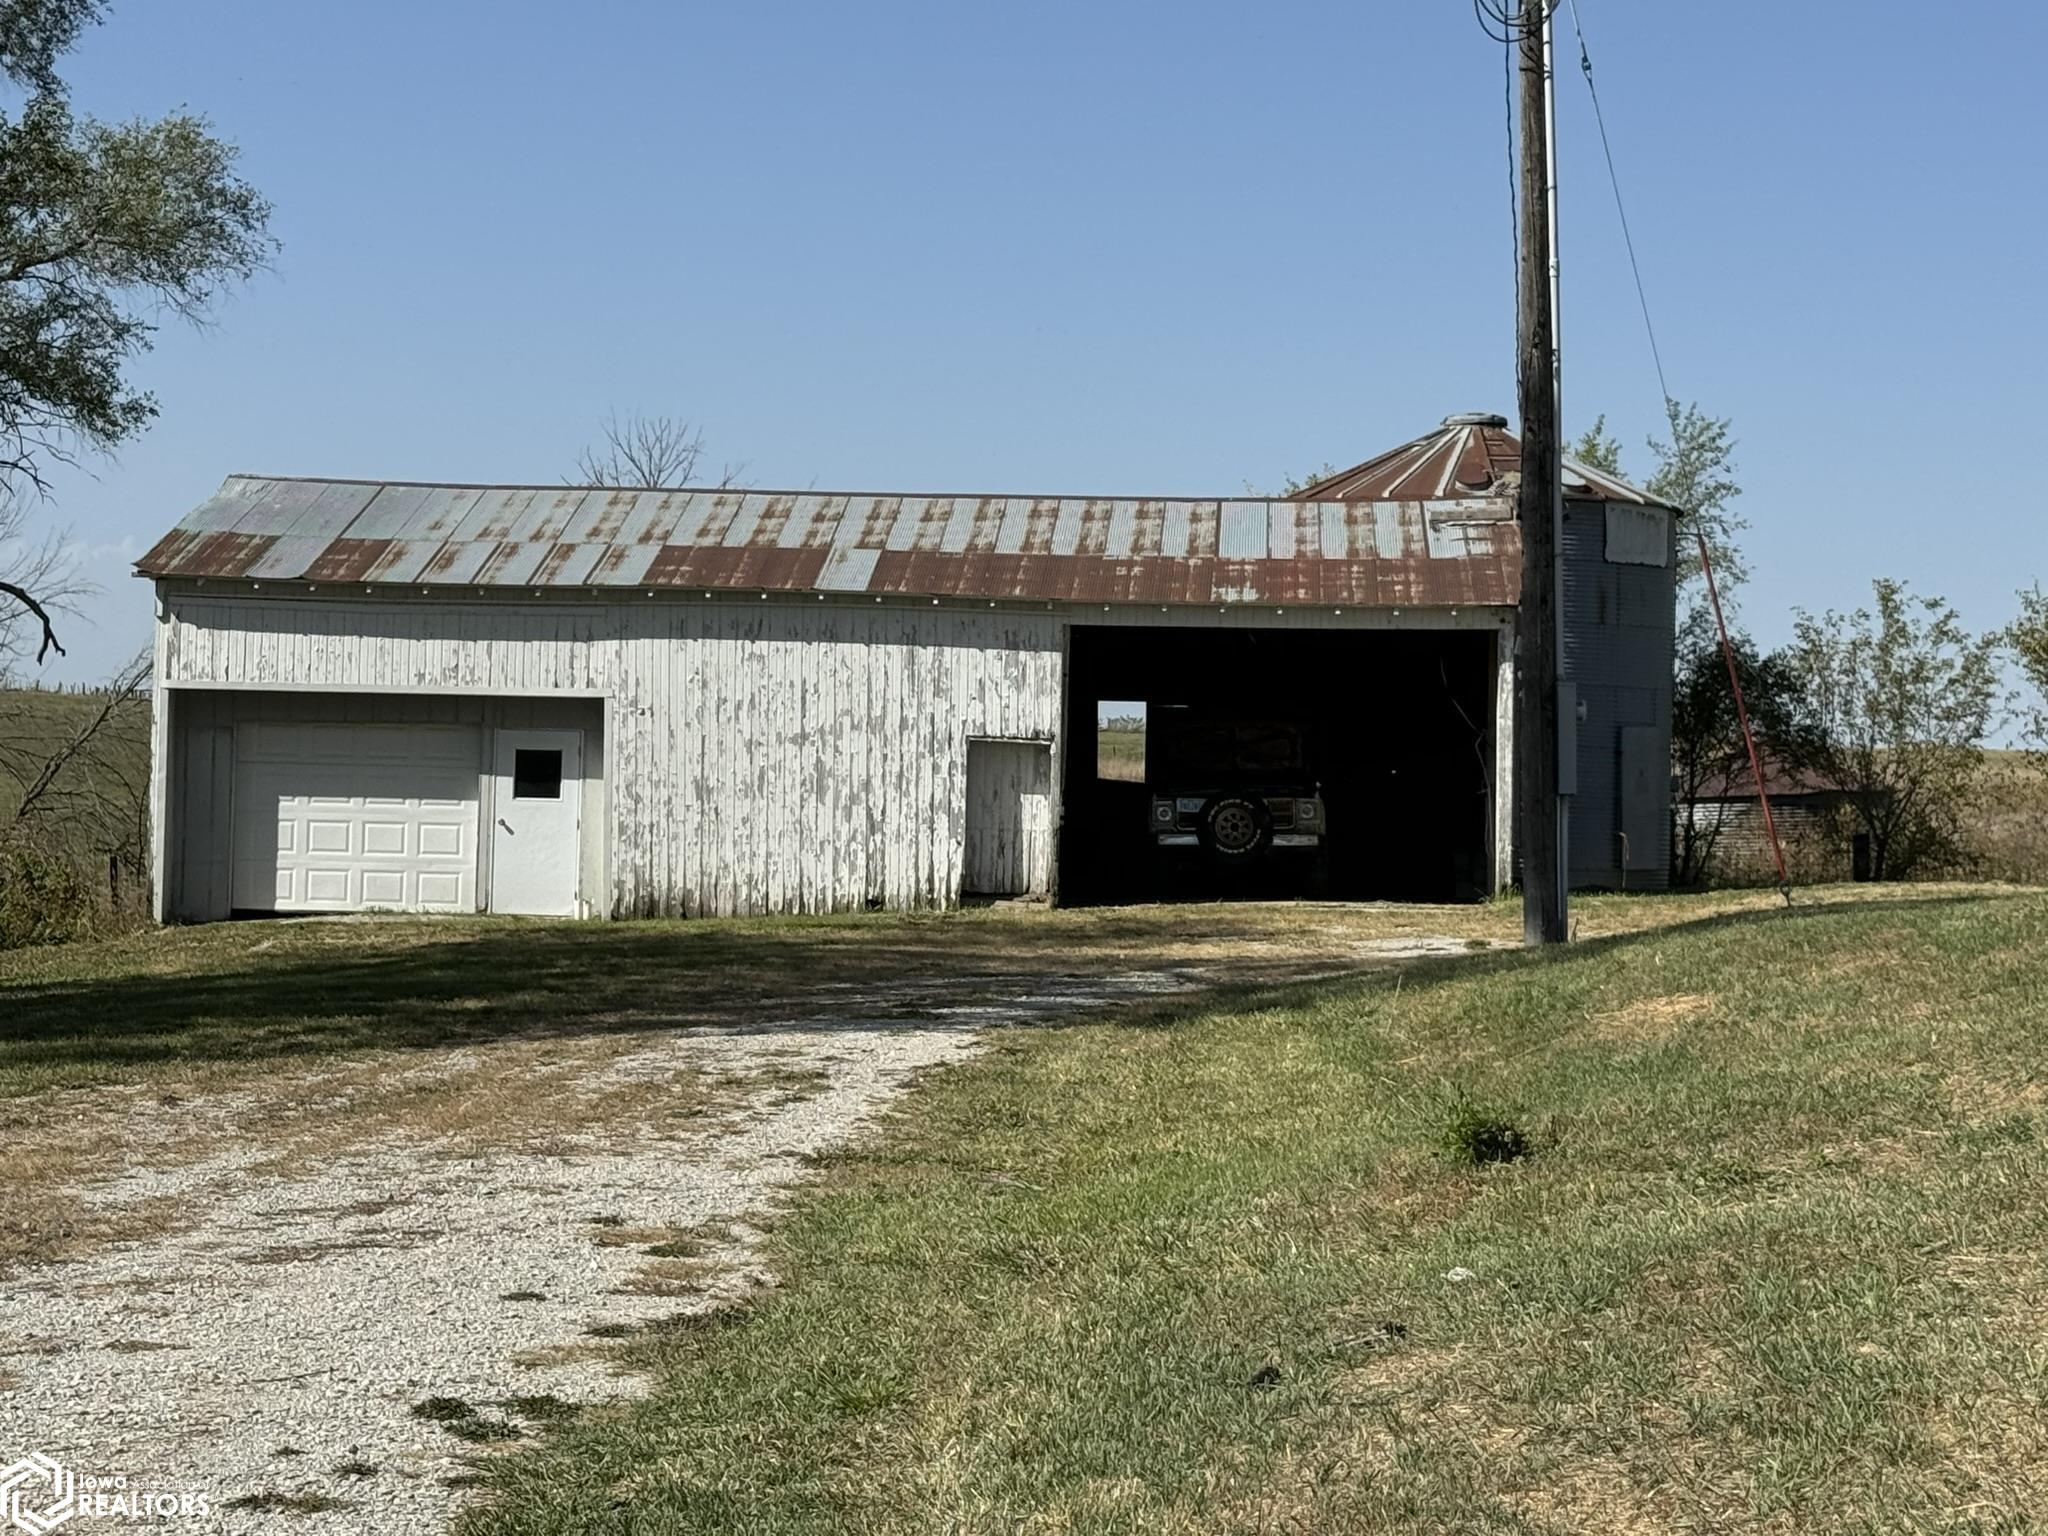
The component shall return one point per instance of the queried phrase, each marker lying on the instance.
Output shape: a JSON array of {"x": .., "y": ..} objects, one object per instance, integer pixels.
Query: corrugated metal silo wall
[{"x": 1618, "y": 639}]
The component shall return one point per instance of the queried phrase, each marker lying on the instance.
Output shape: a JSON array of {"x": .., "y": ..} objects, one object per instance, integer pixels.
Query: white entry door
[
  {"x": 1009, "y": 819},
  {"x": 536, "y": 854},
  {"x": 352, "y": 818}
]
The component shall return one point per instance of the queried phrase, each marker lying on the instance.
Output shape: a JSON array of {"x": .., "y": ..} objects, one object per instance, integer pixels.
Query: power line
[{"x": 1620, "y": 208}]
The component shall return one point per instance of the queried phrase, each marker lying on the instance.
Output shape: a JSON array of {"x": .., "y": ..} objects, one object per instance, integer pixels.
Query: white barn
[{"x": 607, "y": 702}]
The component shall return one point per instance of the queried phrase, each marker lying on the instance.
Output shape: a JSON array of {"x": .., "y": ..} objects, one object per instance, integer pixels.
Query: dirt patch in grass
[
  {"x": 1396, "y": 1369},
  {"x": 1649, "y": 1020},
  {"x": 1977, "y": 1098},
  {"x": 1599, "y": 1493}
]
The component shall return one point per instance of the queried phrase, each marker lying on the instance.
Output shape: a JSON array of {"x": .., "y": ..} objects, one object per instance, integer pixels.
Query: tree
[
  {"x": 78, "y": 779},
  {"x": 103, "y": 227},
  {"x": 1598, "y": 448},
  {"x": 647, "y": 453},
  {"x": 41, "y": 581},
  {"x": 1696, "y": 473},
  {"x": 1296, "y": 484},
  {"x": 74, "y": 807},
  {"x": 1896, "y": 705},
  {"x": 2028, "y": 638},
  {"x": 1708, "y": 753}
]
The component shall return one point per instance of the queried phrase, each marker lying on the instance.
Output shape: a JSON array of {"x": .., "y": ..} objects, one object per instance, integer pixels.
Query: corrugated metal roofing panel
[
  {"x": 271, "y": 508},
  {"x": 1066, "y": 526},
  {"x": 599, "y": 516},
  {"x": 387, "y": 516},
  {"x": 1176, "y": 538},
  {"x": 226, "y": 507},
  {"x": 814, "y": 519},
  {"x": 1096, "y": 515},
  {"x": 490, "y": 518},
  {"x": 1242, "y": 532},
  {"x": 1025, "y": 548},
  {"x": 404, "y": 560},
  {"x": 166, "y": 557},
  {"x": 960, "y": 513},
  {"x": 225, "y": 554},
  {"x": 512, "y": 563},
  {"x": 652, "y": 516},
  {"x": 456, "y": 563},
  {"x": 910, "y": 523},
  {"x": 567, "y": 565},
  {"x": 704, "y": 517},
  {"x": 331, "y": 511},
  {"x": 548, "y": 514},
  {"x": 739, "y": 530},
  {"x": 1469, "y": 457},
  {"x": 347, "y": 560},
  {"x": 848, "y": 570},
  {"x": 286, "y": 559},
  {"x": 623, "y": 565}
]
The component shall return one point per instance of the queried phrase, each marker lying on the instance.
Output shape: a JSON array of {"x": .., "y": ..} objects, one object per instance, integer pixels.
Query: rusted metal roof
[
  {"x": 1426, "y": 552},
  {"x": 1473, "y": 456}
]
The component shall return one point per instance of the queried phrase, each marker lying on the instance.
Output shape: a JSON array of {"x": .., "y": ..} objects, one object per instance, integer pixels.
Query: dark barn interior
[{"x": 1396, "y": 730}]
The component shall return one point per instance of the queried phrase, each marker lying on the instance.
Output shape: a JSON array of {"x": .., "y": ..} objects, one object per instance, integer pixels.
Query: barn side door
[
  {"x": 1645, "y": 797},
  {"x": 1009, "y": 818}
]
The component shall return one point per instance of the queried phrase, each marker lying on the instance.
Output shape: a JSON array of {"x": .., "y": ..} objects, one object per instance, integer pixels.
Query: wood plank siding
[{"x": 759, "y": 757}]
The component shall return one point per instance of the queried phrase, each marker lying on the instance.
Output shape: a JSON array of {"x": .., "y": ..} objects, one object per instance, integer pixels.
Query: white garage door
[{"x": 346, "y": 818}]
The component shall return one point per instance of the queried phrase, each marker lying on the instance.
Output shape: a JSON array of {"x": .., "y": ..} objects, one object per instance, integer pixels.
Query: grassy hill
[
  {"x": 77, "y": 863},
  {"x": 1773, "y": 1262},
  {"x": 2008, "y": 827}
]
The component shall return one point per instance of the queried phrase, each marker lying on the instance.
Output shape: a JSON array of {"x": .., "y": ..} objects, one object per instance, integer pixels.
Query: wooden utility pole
[{"x": 1539, "y": 810}]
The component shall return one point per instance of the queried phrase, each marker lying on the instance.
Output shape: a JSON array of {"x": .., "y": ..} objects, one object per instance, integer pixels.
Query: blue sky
[{"x": 1107, "y": 247}]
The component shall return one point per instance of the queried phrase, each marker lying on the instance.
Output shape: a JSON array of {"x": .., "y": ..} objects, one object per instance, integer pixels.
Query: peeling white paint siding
[
  {"x": 772, "y": 756},
  {"x": 159, "y": 769},
  {"x": 1504, "y": 758}
]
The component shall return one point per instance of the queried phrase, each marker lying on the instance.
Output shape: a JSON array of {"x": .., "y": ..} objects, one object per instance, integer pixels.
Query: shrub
[
  {"x": 44, "y": 899},
  {"x": 1474, "y": 1133}
]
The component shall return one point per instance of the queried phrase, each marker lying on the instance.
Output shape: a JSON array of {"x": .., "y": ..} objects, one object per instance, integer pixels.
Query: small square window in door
[{"x": 537, "y": 774}]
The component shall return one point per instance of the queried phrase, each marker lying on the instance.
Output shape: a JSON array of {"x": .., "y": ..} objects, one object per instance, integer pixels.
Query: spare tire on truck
[{"x": 1236, "y": 828}]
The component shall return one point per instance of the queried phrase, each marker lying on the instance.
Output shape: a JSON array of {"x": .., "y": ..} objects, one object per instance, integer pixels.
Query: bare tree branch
[
  {"x": 49, "y": 630},
  {"x": 40, "y": 577},
  {"x": 643, "y": 453},
  {"x": 39, "y": 792}
]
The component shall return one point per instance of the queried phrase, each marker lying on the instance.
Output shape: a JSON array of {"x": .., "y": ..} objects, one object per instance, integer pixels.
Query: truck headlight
[
  {"x": 1308, "y": 812},
  {"x": 1162, "y": 812}
]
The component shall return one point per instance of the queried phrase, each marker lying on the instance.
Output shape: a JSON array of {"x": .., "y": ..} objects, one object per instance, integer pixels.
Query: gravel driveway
[{"x": 268, "y": 1354}]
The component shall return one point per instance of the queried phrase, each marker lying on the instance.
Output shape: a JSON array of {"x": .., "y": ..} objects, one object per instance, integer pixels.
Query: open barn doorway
[{"x": 1218, "y": 763}]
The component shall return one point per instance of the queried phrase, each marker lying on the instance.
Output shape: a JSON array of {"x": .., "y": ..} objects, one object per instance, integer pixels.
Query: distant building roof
[
  {"x": 1422, "y": 551},
  {"x": 1779, "y": 778},
  {"x": 1473, "y": 456}
]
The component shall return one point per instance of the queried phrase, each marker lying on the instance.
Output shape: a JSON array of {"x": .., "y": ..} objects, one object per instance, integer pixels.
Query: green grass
[
  {"x": 77, "y": 864},
  {"x": 160, "y": 1005},
  {"x": 1120, "y": 752},
  {"x": 1775, "y": 1262}
]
